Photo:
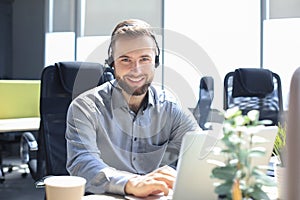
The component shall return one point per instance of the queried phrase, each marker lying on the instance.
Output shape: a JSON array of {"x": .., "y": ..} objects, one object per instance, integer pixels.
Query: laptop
[{"x": 198, "y": 157}]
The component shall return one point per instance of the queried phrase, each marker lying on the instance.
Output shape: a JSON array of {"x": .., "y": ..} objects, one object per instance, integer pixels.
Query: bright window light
[
  {"x": 281, "y": 50},
  {"x": 60, "y": 46}
]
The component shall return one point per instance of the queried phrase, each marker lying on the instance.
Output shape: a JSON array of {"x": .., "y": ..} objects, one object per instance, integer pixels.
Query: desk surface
[
  {"x": 102, "y": 197},
  {"x": 19, "y": 124},
  {"x": 128, "y": 197},
  {"x": 271, "y": 191},
  {"x": 117, "y": 197}
]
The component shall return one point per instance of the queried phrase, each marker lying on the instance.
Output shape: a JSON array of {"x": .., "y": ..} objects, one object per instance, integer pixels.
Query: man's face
[{"x": 134, "y": 60}]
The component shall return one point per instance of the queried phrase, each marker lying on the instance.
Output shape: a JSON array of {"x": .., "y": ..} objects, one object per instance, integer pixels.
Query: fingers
[
  {"x": 144, "y": 186},
  {"x": 169, "y": 180},
  {"x": 156, "y": 187},
  {"x": 158, "y": 181},
  {"x": 165, "y": 174}
]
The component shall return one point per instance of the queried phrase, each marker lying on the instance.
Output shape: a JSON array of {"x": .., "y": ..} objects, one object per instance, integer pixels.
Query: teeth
[{"x": 136, "y": 79}]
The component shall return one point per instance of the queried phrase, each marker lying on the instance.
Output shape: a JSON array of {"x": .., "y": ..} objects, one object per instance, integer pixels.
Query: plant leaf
[
  {"x": 224, "y": 173},
  {"x": 258, "y": 193},
  {"x": 256, "y": 153},
  {"x": 224, "y": 188},
  {"x": 262, "y": 178},
  {"x": 265, "y": 180}
]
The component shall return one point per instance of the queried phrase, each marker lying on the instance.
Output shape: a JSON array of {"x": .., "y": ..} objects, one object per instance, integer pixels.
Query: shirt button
[
  {"x": 133, "y": 158},
  {"x": 135, "y": 139}
]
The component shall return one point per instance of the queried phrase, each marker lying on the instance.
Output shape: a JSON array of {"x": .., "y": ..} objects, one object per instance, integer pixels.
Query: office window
[
  {"x": 61, "y": 15},
  {"x": 281, "y": 50},
  {"x": 60, "y": 46},
  {"x": 60, "y": 31},
  {"x": 100, "y": 17},
  {"x": 91, "y": 22},
  {"x": 281, "y": 41},
  {"x": 223, "y": 35}
]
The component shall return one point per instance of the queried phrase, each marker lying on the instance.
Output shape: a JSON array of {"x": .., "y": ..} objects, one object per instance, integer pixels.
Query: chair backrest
[
  {"x": 60, "y": 83},
  {"x": 19, "y": 98},
  {"x": 254, "y": 88},
  {"x": 206, "y": 95}
]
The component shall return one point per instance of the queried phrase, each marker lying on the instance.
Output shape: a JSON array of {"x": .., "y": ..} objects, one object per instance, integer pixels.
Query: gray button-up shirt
[{"x": 107, "y": 143}]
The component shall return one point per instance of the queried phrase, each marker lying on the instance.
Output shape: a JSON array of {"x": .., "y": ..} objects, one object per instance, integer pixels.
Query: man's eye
[
  {"x": 145, "y": 59},
  {"x": 125, "y": 60}
]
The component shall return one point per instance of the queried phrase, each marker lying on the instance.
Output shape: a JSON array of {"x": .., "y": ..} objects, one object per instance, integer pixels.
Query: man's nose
[{"x": 136, "y": 65}]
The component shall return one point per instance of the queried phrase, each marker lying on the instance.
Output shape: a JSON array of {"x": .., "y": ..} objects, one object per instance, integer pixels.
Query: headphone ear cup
[
  {"x": 110, "y": 61},
  {"x": 156, "y": 61}
]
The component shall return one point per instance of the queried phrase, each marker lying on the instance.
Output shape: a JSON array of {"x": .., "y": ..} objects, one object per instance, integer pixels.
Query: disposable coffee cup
[{"x": 64, "y": 187}]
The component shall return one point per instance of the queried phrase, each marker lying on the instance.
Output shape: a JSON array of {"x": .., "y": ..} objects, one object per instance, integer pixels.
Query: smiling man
[
  {"x": 134, "y": 67},
  {"x": 117, "y": 133}
]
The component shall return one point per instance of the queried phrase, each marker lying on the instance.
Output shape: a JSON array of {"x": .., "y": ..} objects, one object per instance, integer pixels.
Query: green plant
[
  {"x": 239, "y": 179},
  {"x": 280, "y": 144}
]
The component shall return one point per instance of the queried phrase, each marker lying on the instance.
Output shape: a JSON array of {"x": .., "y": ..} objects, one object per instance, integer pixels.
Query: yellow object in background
[{"x": 19, "y": 98}]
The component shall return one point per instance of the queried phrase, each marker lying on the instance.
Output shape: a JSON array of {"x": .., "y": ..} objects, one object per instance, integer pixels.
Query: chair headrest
[
  {"x": 77, "y": 77},
  {"x": 252, "y": 82}
]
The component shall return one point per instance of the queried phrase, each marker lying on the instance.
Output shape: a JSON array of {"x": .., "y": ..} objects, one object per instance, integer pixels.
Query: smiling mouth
[{"x": 135, "y": 79}]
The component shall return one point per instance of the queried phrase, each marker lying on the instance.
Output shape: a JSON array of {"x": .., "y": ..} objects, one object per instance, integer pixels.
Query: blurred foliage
[{"x": 239, "y": 179}]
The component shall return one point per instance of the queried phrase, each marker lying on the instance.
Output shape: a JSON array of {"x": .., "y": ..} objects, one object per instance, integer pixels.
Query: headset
[{"x": 110, "y": 60}]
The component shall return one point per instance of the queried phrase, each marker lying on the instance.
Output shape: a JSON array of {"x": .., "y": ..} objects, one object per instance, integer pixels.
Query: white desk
[
  {"x": 19, "y": 124},
  {"x": 271, "y": 191},
  {"x": 117, "y": 197},
  {"x": 102, "y": 197}
]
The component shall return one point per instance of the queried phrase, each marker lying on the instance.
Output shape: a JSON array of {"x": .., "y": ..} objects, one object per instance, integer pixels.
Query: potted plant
[{"x": 239, "y": 179}]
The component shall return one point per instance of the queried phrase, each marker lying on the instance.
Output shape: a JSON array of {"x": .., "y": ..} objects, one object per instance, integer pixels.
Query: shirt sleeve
[
  {"x": 182, "y": 121},
  {"x": 83, "y": 155}
]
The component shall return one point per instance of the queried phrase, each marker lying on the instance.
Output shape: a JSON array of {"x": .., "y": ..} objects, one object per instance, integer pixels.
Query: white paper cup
[{"x": 64, "y": 187}]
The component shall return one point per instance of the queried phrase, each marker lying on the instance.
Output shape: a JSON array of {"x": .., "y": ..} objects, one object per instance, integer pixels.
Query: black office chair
[
  {"x": 203, "y": 107},
  {"x": 60, "y": 83},
  {"x": 254, "y": 88}
]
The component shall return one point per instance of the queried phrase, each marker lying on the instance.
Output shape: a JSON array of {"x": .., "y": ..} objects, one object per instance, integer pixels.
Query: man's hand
[{"x": 160, "y": 180}]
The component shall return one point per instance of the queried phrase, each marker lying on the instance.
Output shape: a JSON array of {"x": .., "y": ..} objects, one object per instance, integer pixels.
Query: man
[{"x": 118, "y": 133}]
